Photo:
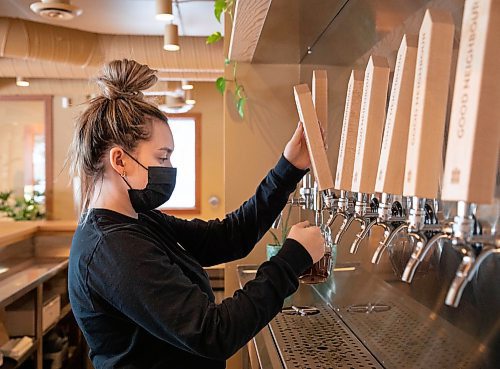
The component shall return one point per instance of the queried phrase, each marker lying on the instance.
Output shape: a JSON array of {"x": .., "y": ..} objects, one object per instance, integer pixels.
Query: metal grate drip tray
[
  {"x": 319, "y": 341},
  {"x": 401, "y": 339}
]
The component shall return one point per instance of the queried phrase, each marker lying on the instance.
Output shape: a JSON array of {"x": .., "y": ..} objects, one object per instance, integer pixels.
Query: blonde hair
[{"x": 118, "y": 117}]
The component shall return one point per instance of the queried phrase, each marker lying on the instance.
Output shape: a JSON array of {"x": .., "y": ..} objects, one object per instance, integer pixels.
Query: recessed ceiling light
[
  {"x": 56, "y": 9},
  {"x": 21, "y": 82}
]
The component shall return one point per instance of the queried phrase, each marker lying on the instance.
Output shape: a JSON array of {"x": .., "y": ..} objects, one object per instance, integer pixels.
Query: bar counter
[{"x": 362, "y": 322}]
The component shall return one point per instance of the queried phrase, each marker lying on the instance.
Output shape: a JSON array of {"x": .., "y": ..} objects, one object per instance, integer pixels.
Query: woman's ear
[{"x": 117, "y": 160}]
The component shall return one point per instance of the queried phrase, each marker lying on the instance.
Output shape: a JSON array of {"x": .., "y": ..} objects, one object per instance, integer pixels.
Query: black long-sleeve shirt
[{"x": 142, "y": 299}]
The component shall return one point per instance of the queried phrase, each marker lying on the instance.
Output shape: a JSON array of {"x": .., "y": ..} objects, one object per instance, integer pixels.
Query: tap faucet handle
[{"x": 314, "y": 137}]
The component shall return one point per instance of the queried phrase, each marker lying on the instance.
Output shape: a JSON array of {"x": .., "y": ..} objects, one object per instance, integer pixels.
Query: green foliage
[
  {"x": 221, "y": 85},
  {"x": 284, "y": 226},
  {"x": 240, "y": 104},
  {"x": 221, "y": 7},
  {"x": 214, "y": 37},
  {"x": 21, "y": 208}
]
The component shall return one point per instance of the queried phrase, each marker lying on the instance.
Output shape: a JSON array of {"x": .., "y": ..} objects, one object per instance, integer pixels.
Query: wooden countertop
[{"x": 11, "y": 231}]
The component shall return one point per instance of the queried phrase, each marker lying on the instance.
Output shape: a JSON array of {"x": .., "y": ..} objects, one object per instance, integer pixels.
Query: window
[{"x": 186, "y": 158}]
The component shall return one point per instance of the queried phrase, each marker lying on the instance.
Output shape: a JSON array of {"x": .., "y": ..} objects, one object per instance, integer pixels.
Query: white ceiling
[{"x": 131, "y": 17}]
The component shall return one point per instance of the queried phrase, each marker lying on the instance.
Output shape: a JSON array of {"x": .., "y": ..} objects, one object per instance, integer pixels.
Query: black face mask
[{"x": 161, "y": 184}]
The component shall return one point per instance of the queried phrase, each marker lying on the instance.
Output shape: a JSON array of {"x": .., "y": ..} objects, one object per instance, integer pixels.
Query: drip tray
[
  {"x": 319, "y": 341},
  {"x": 402, "y": 339}
]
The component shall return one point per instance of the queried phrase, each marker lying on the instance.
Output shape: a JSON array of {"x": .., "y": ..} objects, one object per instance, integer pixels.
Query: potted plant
[
  {"x": 279, "y": 238},
  {"x": 21, "y": 208}
]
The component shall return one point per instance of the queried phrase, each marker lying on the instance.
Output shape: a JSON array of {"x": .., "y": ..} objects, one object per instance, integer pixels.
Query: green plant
[
  {"x": 21, "y": 208},
  {"x": 285, "y": 228},
  {"x": 240, "y": 97}
]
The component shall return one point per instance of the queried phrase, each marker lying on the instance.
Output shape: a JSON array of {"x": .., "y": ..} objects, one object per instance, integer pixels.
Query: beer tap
[
  {"x": 473, "y": 140},
  {"x": 369, "y": 137},
  {"x": 426, "y": 130},
  {"x": 320, "y": 196},
  {"x": 467, "y": 270},
  {"x": 390, "y": 171},
  {"x": 347, "y": 149}
]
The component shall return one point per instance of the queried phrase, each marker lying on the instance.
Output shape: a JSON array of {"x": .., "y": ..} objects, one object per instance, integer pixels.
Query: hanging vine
[{"x": 240, "y": 97}]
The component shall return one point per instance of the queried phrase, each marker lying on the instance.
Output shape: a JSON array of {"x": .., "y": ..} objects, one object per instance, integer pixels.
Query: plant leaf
[
  {"x": 238, "y": 91},
  {"x": 221, "y": 84},
  {"x": 227, "y": 61},
  {"x": 240, "y": 105},
  {"x": 276, "y": 240},
  {"x": 213, "y": 38},
  {"x": 220, "y": 7}
]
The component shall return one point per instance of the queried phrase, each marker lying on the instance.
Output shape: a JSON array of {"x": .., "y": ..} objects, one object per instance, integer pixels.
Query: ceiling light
[
  {"x": 174, "y": 105},
  {"x": 190, "y": 97},
  {"x": 164, "y": 10},
  {"x": 56, "y": 9},
  {"x": 21, "y": 82},
  {"x": 186, "y": 85},
  {"x": 171, "y": 38},
  {"x": 66, "y": 102}
]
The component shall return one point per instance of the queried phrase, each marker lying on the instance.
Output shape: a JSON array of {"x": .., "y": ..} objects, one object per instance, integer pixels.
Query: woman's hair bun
[{"x": 125, "y": 79}]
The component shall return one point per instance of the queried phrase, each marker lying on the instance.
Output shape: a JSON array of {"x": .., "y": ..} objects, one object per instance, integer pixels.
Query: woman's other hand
[{"x": 310, "y": 238}]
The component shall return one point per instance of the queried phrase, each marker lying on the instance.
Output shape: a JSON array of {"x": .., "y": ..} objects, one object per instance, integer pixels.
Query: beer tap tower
[
  {"x": 473, "y": 145},
  {"x": 427, "y": 122},
  {"x": 390, "y": 173},
  {"x": 370, "y": 129}
]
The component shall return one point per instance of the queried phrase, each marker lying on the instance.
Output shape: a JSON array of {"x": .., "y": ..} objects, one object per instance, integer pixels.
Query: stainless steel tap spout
[
  {"x": 345, "y": 225},
  {"x": 419, "y": 254},
  {"x": 386, "y": 242},
  {"x": 466, "y": 271},
  {"x": 365, "y": 229}
]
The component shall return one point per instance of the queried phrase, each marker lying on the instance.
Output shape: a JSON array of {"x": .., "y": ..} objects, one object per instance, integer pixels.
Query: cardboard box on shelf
[{"x": 20, "y": 319}]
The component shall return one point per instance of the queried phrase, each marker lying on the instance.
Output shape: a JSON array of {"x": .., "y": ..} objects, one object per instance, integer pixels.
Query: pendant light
[
  {"x": 186, "y": 85},
  {"x": 164, "y": 10},
  {"x": 171, "y": 38},
  {"x": 190, "y": 97},
  {"x": 21, "y": 82}
]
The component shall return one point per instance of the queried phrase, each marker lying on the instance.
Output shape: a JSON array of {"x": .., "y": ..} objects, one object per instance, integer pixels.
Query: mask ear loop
[
  {"x": 124, "y": 175},
  {"x": 134, "y": 159}
]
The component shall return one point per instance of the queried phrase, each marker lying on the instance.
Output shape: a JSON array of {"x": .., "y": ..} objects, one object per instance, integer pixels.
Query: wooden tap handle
[
  {"x": 474, "y": 133},
  {"x": 371, "y": 125},
  {"x": 314, "y": 138},
  {"x": 428, "y": 108},
  {"x": 347, "y": 148},
  {"x": 320, "y": 97},
  {"x": 391, "y": 166}
]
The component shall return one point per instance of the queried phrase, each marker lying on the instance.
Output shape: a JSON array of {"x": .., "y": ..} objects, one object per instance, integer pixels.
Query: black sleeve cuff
[
  {"x": 295, "y": 255},
  {"x": 287, "y": 171}
]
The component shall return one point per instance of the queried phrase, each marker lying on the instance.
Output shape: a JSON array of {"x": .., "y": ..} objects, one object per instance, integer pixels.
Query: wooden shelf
[
  {"x": 18, "y": 284},
  {"x": 9, "y": 363},
  {"x": 12, "y": 231},
  {"x": 249, "y": 18}
]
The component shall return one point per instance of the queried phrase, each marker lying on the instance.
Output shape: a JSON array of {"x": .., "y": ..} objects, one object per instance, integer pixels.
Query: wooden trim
[
  {"x": 49, "y": 145},
  {"x": 197, "y": 206},
  {"x": 249, "y": 18}
]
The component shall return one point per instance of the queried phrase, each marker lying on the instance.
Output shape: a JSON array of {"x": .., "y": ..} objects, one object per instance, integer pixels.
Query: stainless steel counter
[{"x": 363, "y": 322}]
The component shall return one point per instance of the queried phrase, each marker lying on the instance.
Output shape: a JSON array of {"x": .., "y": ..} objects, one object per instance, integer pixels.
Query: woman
[{"x": 136, "y": 283}]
